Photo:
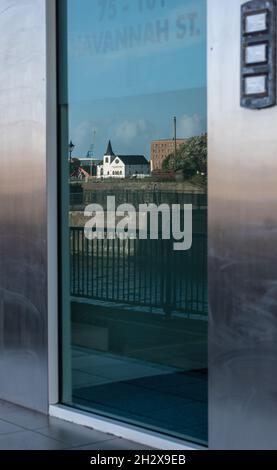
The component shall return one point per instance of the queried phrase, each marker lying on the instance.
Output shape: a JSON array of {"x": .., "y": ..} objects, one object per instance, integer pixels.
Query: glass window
[{"x": 134, "y": 241}]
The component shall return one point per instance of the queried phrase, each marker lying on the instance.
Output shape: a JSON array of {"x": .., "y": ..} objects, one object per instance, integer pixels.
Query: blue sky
[{"x": 133, "y": 65}]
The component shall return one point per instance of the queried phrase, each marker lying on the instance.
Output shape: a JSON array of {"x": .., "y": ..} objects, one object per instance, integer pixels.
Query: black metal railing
[
  {"x": 146, "y": 273},
  {"x": 137, "y": 197}
]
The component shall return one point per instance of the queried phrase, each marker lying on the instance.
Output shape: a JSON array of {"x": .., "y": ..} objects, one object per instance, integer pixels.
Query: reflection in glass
[{"x": 133, "y": 125}]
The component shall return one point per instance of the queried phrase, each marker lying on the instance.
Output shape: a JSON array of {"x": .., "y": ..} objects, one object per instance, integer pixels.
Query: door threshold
[{"x": 118, "y": 429}]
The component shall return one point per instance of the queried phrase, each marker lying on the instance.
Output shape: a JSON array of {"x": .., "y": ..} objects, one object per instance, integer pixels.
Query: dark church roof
[
  {"x": 126, "y": 159},
  {"x": 109, "y": 150},
  {"x": 133, "y": 159}
]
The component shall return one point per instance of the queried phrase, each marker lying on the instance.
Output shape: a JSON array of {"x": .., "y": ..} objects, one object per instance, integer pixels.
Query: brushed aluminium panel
[
  {"x": 23, "y": 250},
  {"x": 242, "y": 249}
]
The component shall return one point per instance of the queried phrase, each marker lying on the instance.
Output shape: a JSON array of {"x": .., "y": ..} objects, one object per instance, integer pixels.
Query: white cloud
[
  {"x": 189, "y": 126},
  {"x": 127, "y": 131},
  {"x": 82, "y": 134}
]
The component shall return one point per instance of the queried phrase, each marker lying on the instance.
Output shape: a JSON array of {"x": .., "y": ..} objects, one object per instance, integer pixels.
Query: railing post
[{"x": 168, "y": 278}]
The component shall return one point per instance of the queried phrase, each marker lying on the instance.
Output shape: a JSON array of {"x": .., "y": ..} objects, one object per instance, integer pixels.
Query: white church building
[{"x": 122, "y": 166}]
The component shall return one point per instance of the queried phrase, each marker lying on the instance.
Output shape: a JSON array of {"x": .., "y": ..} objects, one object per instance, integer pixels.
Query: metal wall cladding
[
  {"x": 242, "y": 230},
  {"x": 242, "y": 249},
  {"x": 23, "y": 250}
]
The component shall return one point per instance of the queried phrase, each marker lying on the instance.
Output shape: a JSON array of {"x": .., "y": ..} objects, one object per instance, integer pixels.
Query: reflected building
[
  {"x": 122, "y": 166},
  {"x": 160, "y": 149}
]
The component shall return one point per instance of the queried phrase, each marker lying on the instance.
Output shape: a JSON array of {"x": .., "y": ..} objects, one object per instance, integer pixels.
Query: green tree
[{"x": 190, "y": 157}]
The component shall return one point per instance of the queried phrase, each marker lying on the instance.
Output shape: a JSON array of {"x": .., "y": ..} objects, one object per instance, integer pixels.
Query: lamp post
[
  {"x": 175, "y": 137},
  {"x": 71, "y": 147}
]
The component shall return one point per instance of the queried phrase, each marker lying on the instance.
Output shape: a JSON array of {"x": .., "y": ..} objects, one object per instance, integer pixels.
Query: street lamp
[{"x": 71, "y": 147}]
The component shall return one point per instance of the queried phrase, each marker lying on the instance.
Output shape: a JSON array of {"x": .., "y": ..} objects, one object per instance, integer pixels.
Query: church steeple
[{"x": 109, "y": 151}]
